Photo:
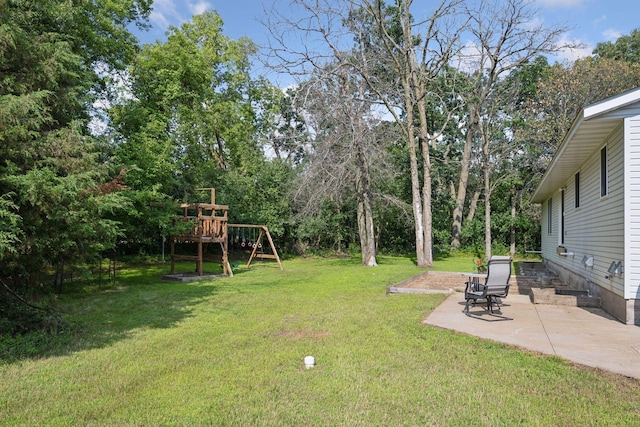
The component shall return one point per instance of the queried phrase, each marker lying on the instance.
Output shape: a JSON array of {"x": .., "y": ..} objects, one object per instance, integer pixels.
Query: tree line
[{"x": 401, "y": 132}]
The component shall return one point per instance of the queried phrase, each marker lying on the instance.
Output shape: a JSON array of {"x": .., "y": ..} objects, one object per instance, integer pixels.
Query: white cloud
[
  {"x": 176, "y": 12},
  {"x": 611, "y": 34},
  {"x": 159, "y": 20},
  {"x": 582, "y": 50},
  {"x": 469, "y": 57},
  {"x": 163, "y": 14},
  {"x": 200, "y": 7},
  {"x": 602, "y": 18}
]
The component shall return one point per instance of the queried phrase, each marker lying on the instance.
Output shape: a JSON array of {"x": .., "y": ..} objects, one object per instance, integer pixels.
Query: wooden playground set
[{"x": 211, "y": 227}]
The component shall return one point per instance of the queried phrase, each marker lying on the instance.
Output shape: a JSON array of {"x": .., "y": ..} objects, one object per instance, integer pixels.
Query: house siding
[
  {"x": 632, "y": 207},
  {"x": 606, "y": 227},
  {"x": 596, "y": 228}
]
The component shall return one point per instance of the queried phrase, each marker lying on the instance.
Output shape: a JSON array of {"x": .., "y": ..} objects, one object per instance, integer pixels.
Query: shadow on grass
[
  {"x": 437, "y": 256},
  {"x": 92, "y": 316}
]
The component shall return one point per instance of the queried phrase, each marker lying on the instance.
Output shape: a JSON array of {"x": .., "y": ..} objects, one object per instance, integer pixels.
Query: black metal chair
[{"x": 495, "y": 286}]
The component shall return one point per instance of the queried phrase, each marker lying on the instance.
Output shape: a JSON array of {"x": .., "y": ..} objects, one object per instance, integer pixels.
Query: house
[{"x": 590, "y": 197}]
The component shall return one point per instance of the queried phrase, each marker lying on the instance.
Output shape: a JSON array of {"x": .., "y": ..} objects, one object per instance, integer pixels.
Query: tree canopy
[{"x": 625, "y": 48}]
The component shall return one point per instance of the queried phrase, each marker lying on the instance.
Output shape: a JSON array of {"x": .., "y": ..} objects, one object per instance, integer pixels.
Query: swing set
[
  {"x": 210, "y": 226},
  {"x": 249, "y": 242}
]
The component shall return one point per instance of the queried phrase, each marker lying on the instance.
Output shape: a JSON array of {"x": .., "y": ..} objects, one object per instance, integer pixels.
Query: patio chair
[{"x": 495, "y": 286}]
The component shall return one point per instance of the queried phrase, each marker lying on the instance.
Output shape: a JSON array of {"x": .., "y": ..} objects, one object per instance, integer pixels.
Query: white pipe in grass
[{"x": 309, "y": 362}]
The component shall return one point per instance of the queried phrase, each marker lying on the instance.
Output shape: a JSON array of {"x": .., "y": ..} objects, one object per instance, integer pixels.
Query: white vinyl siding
[
  {"x": 604, "y": 227},
  {"x": 632, "y": 207},
  {"x": 597, "y": 227}
]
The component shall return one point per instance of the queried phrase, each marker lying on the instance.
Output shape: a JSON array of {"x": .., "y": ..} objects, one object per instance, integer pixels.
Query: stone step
[{"x": 549, "y": 296}]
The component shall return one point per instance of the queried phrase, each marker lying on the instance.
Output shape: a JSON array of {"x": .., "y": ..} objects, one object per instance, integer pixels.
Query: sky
[{"x": 590, "y": 21}]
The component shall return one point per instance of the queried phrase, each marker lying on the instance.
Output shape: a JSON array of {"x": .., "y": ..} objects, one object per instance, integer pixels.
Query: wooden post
[
  {"x": 273, "y": 248},
  {"x": 213, "y": 194},
  {"x": 199, "y": 261}
]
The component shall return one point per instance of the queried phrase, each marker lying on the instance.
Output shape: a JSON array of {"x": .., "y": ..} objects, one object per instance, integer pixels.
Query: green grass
[
  {"x": 458, "y": 263},
  {"x": 230, "y": 352},
  {"x": 464, "y": 262}
]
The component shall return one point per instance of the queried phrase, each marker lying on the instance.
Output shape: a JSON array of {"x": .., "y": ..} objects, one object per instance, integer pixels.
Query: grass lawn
[{"x": 230, "y": 352}]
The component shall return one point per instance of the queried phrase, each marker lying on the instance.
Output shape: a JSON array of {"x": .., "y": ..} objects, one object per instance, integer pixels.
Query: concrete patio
[{"x": 587, "y": 336}]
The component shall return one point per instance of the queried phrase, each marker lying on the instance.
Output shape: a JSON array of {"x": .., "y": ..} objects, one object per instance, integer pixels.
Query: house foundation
[{"x": 625, "y": 310}]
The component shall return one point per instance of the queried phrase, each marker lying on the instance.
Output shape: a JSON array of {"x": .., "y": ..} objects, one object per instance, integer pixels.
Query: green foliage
[
  {"x": 279, "y": 126},
  {"x": 25, "y": 331},
  {"x": 395, "y": 229},
  {"x": 65, "y": 219},
  {"x": 625, "y": 48},
  {"x": 9, "y": 226},
  {"x": 50, "y": 170},
  {"x": 260, "y": 196},
  {"x": 144, "y": 218},
  {"x": 332, "y": 229},
  {"x": 191, "y": 114},
  {"x": 562, "y": 92}
]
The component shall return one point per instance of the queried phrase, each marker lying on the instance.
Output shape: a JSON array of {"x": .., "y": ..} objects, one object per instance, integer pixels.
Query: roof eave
[
  {"x": 590, "y": 114},
  {"x": 542, "y": 192}
]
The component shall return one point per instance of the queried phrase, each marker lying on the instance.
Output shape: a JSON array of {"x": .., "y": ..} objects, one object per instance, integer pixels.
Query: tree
[
  {"x": 345, "y": 147},
  {"x": 50, "y": 167},
  {"x": 10, "y": 231},
  {"x": 396, "y": 57},
  {"x": 545, "y": 101},
  {"x": 625, "y": 48},
  {"x": 191, "y": 109},
  {"x": 503, "y": 38},
  {"x": 562, "y": 91},
  {"x": 195, "y": 118},
  {"x": 280, "y": 127}
]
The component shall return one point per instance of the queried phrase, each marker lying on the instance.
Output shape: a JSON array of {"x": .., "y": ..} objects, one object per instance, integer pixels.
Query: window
[
  {"x": 550, "y": 216},
  {"x": 577, "y": 189},
  {"x": 561, "y": 237},
  {"x": 603, "y": 171}
]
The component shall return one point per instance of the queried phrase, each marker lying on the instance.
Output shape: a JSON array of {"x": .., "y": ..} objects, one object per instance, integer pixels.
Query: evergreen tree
[{"x": 51, "y": 173}]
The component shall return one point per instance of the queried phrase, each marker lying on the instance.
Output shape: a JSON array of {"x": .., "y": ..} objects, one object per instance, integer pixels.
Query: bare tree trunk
[
  {"x": 404, "y": 63},
  {"x": 427, "y": 209},
  {"x": 506, "y": 39},
  {"x": 473, "y": 206},
  {"x": 463, "y": 180},
  {"x": 371, "y": 241},
  {"x": 415, "y": 92},
  {"x": 366, "y": 232},
  {"x": 486, "y": 168},
  {"x": 416, "y": 197},
  {"x": 59, "y": 277},
  {"x": 365, "y": 211},
  {"x": 487, "y": 213},
  {"x": 427, "y": 215}
]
